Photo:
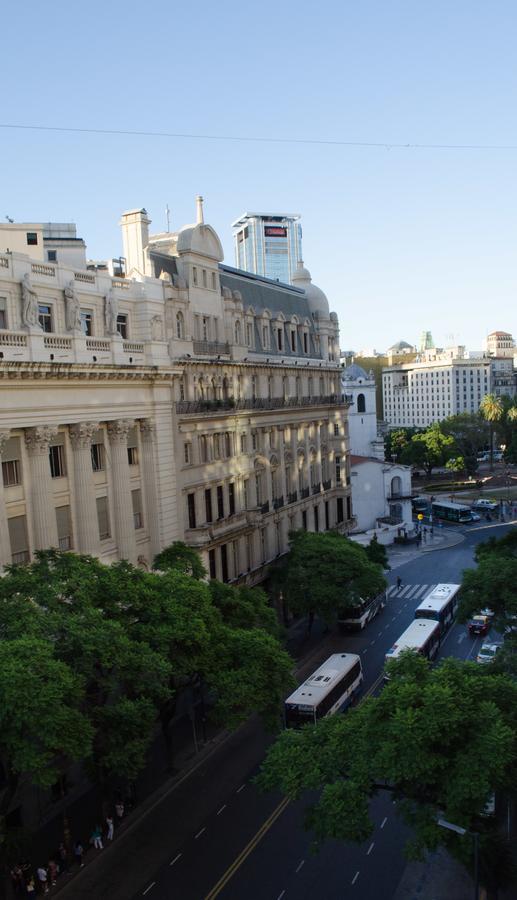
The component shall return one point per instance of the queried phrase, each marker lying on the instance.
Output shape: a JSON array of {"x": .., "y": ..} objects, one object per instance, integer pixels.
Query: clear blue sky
[{"x": 401, "y": 240}]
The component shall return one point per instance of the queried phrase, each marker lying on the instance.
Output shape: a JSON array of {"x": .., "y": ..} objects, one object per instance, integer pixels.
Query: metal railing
[
  {"x": 304, "y": 493},
  {"x": 316, "y": 488},
  {"x": 211, "y": 348},
  {"x": 327, "y": 485},
  {"x": 292, "y": 497},
  {"x": 278, "y": 502},
  {"x": 196, "y": 406}
]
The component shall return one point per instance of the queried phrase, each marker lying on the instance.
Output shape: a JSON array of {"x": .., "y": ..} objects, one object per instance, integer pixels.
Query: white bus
[
  {"x": 330, "y": 688},
  {"x": 422, "y": 636},
  {"x": 441, "y": 605},
  {"x": 355, "y": 618}
]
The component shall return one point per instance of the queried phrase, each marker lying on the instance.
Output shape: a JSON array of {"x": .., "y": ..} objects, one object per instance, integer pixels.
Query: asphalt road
[{"x": 215, "y": 835}]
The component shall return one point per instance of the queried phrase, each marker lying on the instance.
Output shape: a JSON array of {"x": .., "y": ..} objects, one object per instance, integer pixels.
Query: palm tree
[{"x": 491, "y": 408}]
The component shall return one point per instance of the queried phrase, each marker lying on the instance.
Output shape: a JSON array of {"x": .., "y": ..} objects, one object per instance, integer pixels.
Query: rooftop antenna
[{"x": 168, "y": 217}]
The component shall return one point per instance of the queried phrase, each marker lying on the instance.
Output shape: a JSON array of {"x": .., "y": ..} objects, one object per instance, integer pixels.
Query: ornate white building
[{"x": 188, "y": 400}]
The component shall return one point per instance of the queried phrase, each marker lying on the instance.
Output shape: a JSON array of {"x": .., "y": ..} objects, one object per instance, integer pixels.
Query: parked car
[
  {"x": 485, "y": 505},
  {"x": 474, "y": 517},
  {"x": 479, "y": 625},
  {"x": 488, "y": 653},
  {"x": 489, "y": 613}
]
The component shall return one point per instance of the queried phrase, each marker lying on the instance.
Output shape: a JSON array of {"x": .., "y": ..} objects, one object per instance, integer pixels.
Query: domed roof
[
  {"x": 401, "y": 345},
  {"x": 200, "y": 239},
  {"x": 316, "y": 299},
  {"x": 353, "y": 373}
]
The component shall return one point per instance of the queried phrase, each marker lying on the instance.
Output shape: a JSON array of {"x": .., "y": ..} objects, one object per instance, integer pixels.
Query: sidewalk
[{"x": 441, "y": 539}]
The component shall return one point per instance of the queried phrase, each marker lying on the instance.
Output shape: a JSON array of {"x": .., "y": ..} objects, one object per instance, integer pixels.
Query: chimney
[
  {"x": 199, "y": 203},
  {"x": 135, "y": 237}
]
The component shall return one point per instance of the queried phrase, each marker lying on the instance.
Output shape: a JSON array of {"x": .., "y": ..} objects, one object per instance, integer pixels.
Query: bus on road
[
  {"x": 451, "y": 512},
  {"x": 355, "y": 618},
  {"x": 330, "y": 688},
  {"x": 441, "y": 605},
  {"x": 422, "y": 636}
]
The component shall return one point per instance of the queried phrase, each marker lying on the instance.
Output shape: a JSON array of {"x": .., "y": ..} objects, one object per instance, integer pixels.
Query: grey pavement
[{"x": 438, "y": 877}]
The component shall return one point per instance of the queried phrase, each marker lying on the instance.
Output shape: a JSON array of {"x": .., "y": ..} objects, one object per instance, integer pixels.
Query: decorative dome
[
  {"x": 401, "y": 345},
  {"x": 353, "y": 373},
  {"x": 200, "y": 239},
  {"x": 316, "y": 299}
]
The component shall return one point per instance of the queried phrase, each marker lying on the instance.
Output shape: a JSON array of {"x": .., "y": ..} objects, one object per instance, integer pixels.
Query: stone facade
[{"x": 187, "y": 400}]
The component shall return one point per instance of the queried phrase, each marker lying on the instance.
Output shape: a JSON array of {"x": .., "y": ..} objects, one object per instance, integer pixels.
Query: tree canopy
[
  {"x": 428, "y": 449},
  {"x": 440, "y": 740},
  {"x": 326, "y": 571}
]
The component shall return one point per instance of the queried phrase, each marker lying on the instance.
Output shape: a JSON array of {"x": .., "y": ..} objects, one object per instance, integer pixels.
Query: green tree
[
  {"x": 456, "y": 464},
  {"x": 395, "y": 442},
  {"x": 470, "y": 433},
  {"x": 421, "y": 740},
  {"x": 491, "y": 408},
  {"x": 377, "y": 553},
  {"x": 181, "y": 558},
  {"x": 428, "y": 449},
  {"x": 326, "y": 571}
]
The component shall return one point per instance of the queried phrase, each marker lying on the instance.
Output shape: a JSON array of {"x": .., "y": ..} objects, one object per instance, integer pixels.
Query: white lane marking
[
  {"x": 300, "y": 865},
  {"x": 281, "y": 895},
  {"x": 175, "y": 860},
  {"x": 391, "y": 591},
  {"x": 365, "y": 650},
  {"x": 219, "y": 811},
  {"x": 386, "y": 627},
  {"x": 462, "y": 637},
  {"x": 471, "y": 651},
  {"x": 241, "y": 788},
  {"x": 148, "y": 888},
  {"x": 384, "y": 821},
  {"x": 393, "y": 619},
  {"x": 404, "y": 591},
  {"x": 370, "y": 848},
  {"x": 372, "y": 643},
  {"x": 200, "y": 833},
  {"x": 422, "y": 591},
  {"x": 356, "y": 876}
]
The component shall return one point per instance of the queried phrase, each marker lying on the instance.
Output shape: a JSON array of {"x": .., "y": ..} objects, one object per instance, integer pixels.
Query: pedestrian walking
[
  {"x": 52, "y": 871},
  {"x": 111, "y": 827},
  {"x": 63, "y": 857},
  {"x": 79, "y": 853},
  {"x": 399, "y": 582},
  {"x": 119, "y": 809},
  {"x": 96, "y": 838},
  {"x": 31, "y": 887},
  {"x": 42, "y": 874}
]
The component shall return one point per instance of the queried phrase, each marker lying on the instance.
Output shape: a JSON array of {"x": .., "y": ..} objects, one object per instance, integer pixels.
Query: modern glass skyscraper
[{"x": 268, "y": 244}]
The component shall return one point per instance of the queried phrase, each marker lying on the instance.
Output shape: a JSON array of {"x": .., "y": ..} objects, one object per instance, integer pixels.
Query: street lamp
[{"x": 474, "y": 834}]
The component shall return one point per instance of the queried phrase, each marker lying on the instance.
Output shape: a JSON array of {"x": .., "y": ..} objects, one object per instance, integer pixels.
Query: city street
[{"x": 215, "y": 835}]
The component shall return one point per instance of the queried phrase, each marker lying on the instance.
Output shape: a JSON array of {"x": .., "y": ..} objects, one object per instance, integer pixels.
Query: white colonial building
[{"x": 186, "y": 400}]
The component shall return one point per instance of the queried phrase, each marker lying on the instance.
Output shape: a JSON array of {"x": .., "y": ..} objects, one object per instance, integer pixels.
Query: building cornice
[{"x": 43, "y": 371}]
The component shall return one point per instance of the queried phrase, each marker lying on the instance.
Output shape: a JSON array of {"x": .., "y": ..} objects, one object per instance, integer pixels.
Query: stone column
[
  {"x": 284, "y": 487},
  {"x": 43, "y": 510},
  {"x": 122, "y": 504},
  {"x": 319, "y": 475},
  {"x": 294, "y": 466},
  {"x": 5, "y": 544},
  {"x": 87, "y": 524},
  {"x": 148, "y": 469}
]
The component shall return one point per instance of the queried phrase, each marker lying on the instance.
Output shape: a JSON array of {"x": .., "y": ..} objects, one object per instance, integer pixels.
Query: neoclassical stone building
[{"x": 187, "y": 400}]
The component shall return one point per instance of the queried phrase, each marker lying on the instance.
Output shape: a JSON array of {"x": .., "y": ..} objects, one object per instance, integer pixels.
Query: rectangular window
[
  {"x": 204, "y": 278},
  {"x": 336, "y": 430},
  {"x": 3, "y": 313},
  {"x": 86, "y": 322},
  {"x": 17, "y": 527},
  {"x": 339, "y": 509},
  {"x": 245, "y": 493},
  {"x": 304, "y": 520},
  {"x": 280, "y": 338},
  {"x": 51, "y": 255},
  {"x": 194, "y": 275},
  {"x": 32, "y": 238},
  {"x": 187, "y": 453},
  {"x": 191, "y": 510},
  {"x": 103, "y": 518},
  {"x": 243, "y": 443},
  {"x": 214, "y": 281},
  {"x": 64, "y": 528},
  {"x": 208, "y": 505},
  {"x": 224, "y": 562},
  {"x": 132, "y": 447},
  {"x": 231, "y": 499},
  {"x": 98, "y": 457},
  {"x": 11, "y": 472},
  {"x": 249, "y": 334},
  {"x": 305, "y": 342},
  {"x": 338, "y": 470},
  {"x": 56, "y": 454},
  {"x": 293, "y": 341},
  {"x": 45, "y": 317},
  {"x": 265, "y": 337},
  {"x": 136, "y": 497},
  {"x": 220, "y": 502},
  {"x": 122, "y": 325},
  {"x": 211, "y": 564}
]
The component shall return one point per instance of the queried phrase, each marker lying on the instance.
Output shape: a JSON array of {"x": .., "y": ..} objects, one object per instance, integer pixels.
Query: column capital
[
  {"x": 147, "y": 429},
  {"x": 81, "y": 434},
  {"x": 118, "y": 430},
  {"x": 4, "y": 437},
  {"x": 37, "y": 439}
]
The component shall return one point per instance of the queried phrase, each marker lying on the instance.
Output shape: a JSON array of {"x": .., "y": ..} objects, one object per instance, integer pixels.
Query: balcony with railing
[
  {"x": 292, "y": 497},
  {"x": 211, "y": 348},
  {"x": 278, "y": 502},
  {"x": 264, "y": 507},
  {"x": 327, "y": 485},
  {"x": 316, "y": 488},
  {"x": 304, "y": 492},
  {"x": 189, "y": 407}
]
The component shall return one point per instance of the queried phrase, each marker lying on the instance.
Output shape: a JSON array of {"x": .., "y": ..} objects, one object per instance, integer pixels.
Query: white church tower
[{"x": 362, "y": 414}]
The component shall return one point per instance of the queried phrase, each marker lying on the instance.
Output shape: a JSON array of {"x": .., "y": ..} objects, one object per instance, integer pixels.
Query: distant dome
[
  {"x": 353, "y": 373},
  {"x": 316, "y": 299},
  {"x": 401, "y": 345}
]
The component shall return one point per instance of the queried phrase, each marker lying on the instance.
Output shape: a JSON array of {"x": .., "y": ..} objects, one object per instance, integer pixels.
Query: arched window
[
  {"x": 180, "y": 326},
  {"x": 396, "y": 486},
  {"x": 361, "y": 404},
  {"x": 237, "y": 332}
]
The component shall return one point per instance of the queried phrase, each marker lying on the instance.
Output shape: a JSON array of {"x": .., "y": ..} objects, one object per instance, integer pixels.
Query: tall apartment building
[
  {"x": 268, "y": 244},
  {"x": 501, "y": 344},
  {"x": 444, "y": 384},
  {"x": 186, "y": 401}
]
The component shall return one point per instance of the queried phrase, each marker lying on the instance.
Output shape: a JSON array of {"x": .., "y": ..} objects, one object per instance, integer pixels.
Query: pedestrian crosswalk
[{"x": 409, "y": 591}]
